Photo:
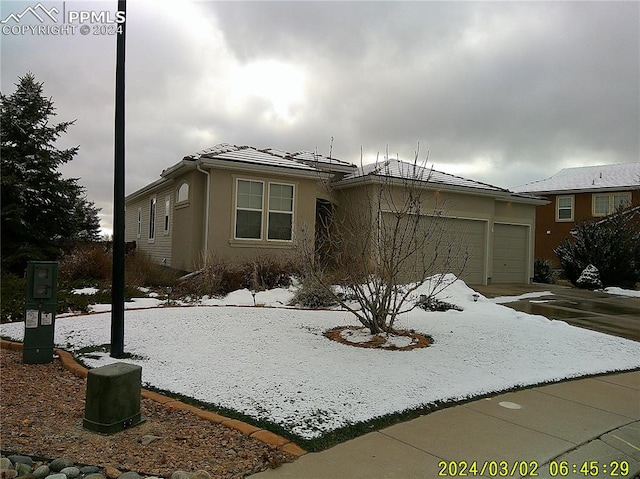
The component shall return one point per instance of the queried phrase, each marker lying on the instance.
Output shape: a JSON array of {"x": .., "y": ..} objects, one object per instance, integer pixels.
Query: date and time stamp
[{"x": 533, "y": 469}]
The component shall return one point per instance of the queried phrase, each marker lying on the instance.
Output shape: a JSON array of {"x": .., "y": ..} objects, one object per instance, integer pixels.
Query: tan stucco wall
[
  {"x": 188, "y": 220},
  {"x": 468, "y": 207},
  {"x": 221, "y": 241}
]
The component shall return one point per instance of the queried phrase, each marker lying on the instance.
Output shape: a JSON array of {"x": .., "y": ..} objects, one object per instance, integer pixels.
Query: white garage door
[
  {"x": 464, "y": 236},
  {"x": 473, "y": 236},
  {"x": 510, "y": 253}
]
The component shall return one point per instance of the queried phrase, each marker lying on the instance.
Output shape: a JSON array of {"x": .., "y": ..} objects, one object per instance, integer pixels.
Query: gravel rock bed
[{"x": 42, "y": 406}]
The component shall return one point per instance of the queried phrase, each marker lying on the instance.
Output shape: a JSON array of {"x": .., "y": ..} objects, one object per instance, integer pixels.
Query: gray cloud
[{"x": 501, "y": 92}]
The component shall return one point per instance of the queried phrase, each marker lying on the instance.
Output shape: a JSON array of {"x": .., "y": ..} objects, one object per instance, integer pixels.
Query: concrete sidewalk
[{"x": 594, "y": 419}]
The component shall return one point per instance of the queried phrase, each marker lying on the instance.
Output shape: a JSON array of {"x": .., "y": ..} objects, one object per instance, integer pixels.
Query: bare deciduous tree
[{"x": 384, "y": 236}]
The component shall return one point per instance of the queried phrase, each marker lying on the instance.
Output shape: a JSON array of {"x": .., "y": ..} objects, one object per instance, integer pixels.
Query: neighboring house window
[
  {"x": 152, "y": 218},
  {"x": 280, "y": 212},
  {"x": 139, "y": 228},
  {"x": 564, "y": 208},
  {"x": 182, "y": 193},
  {"x": 167, "y": 208},
  {"x": 249, "y": 196},
  {"x": 605, "y": 204}
]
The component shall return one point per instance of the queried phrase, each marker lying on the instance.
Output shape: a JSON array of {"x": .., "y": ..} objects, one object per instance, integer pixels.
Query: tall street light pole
[{"x": 117, "y": 280}]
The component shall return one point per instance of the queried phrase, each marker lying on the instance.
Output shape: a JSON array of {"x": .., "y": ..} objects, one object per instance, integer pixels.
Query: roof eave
[
  {"x": 146, "y": 189},
  {"x": 261, "y": 168},
  {"x": 606, "y": 189},
  {"x": 504, "y": 195}
]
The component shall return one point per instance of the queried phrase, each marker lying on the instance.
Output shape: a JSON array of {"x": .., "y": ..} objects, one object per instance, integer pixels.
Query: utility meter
[{"x": 39, "y": 318}]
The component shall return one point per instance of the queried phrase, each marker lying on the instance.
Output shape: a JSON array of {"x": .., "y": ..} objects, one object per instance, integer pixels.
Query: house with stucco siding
[{"x": 239, "y": 202}]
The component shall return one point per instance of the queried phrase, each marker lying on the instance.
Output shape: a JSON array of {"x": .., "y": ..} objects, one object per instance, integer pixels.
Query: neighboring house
[
  {"x": 580, "y": 194},
  {"x": 239, "y": 202}
]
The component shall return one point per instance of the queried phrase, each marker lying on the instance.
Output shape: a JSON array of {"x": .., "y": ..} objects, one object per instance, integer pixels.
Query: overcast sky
[{"x": 505, "y": 93}]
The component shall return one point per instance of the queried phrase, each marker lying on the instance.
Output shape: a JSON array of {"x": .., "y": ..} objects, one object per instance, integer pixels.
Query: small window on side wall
[
  {"x": 564, "y": 208},
  {"x": 183, "y": 193},
  {"x": 152, "y": 218}
]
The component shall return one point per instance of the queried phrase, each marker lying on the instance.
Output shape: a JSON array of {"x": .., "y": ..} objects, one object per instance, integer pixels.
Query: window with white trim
[
  {"x": 249, "y": 206},
  {"x": 152, "y": 218},
  {"x": 183, "y": 193},
  {"x": 564, "y": 208},
  {"x": 606, "y": 203},
  {"x": 167, "y": 209},
  {"x": 139, "y": 228},
  {"x": 280, "y": 220}
]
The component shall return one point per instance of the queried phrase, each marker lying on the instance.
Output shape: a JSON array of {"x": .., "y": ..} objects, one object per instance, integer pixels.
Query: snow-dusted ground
[
  {"x": 276, "y": 364},
  {"x": 622, "y": 292}
]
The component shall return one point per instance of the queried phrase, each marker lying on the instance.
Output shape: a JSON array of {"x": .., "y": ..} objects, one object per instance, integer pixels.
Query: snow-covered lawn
[
  {"x": 274, "y": 363},
  {"x": 622, "y": 292}
]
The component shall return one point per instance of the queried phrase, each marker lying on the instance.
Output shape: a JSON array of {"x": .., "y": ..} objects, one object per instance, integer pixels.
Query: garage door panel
[
  {"x": 458, "y": 236},
  {"x": 510, "y": 253}
]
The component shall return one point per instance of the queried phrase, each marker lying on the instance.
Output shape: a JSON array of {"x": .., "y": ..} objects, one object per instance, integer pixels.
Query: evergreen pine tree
[{"x": 40, "y": 208}]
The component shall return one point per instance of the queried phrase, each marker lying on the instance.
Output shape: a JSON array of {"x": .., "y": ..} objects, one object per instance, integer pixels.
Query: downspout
[{"x": 206, "y": 211}]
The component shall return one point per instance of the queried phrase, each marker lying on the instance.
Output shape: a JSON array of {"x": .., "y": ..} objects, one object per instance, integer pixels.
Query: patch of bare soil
[
  {"x": 398, "y": 340},
  {"x": 41, "y": 410}
]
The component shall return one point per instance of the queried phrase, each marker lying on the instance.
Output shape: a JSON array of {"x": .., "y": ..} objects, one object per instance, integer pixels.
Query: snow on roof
[
  {"x": 248, "y": 154},
  {"x": 401, "y": 169},
  {"x": 300, "y": 160},
  {"x": 313, "y": 159},
  {"x": 620, "y": 176}
]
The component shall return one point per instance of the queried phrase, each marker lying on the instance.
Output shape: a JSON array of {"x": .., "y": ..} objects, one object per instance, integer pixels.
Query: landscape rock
[
  {"x": 130, "y": 475},
  {"x": 59, "y": 464},
  {"x": 71, "y": 472},
  {"x": 41, "y": 472},
  {"x": 5, "y": 463},
  {"x": 94, "y": 475},
  {"x": 148, "y": 439},
  {"x": 56, "y": 476},
  {"x": 112, "y": 472},
  {"x": 180, "y": 475},
  {"x": 201, "y": 475},
  {"x": 8, "y": 473},
  {"x": 23, "y": 468},
  {"x": 85, "y": 470},
  {"x": 18, "y": 459}
]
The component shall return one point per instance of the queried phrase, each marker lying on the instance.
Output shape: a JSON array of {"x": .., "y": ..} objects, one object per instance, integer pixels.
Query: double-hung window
[
  {"x": 605, "y": 204},
  {"x": 261, "y": 203},
  {"x": 249, "y": 201},
  {"x": 280, "y": 212},
  {"x": 564, "y": 208}
]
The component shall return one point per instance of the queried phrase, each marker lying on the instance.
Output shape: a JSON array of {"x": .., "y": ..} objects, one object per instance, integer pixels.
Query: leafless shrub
[{"x": 392, "y": 239}]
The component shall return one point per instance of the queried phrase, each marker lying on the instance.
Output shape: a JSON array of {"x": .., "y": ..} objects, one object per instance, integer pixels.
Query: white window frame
[
  {"x": 167, "y": 217},
  {"x": 611, "y": 200},
  {"x": 271, "y": 210},
  {"x": 237, "y": 208},
  {"x": 184, "y": 186},
  {"x": 153, "y": 209},
  {"x": 139, "y": 226},
  {"x": 572, "y": 208}
]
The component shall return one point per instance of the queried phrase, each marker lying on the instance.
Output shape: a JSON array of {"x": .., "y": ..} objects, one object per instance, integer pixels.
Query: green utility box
[
  {"x": 40, "y": 312},
  {"x": 113, "y": 398}
]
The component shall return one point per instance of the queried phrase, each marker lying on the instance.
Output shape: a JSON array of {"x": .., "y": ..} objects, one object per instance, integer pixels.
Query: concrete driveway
[{"x": 608, "y": 313}]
